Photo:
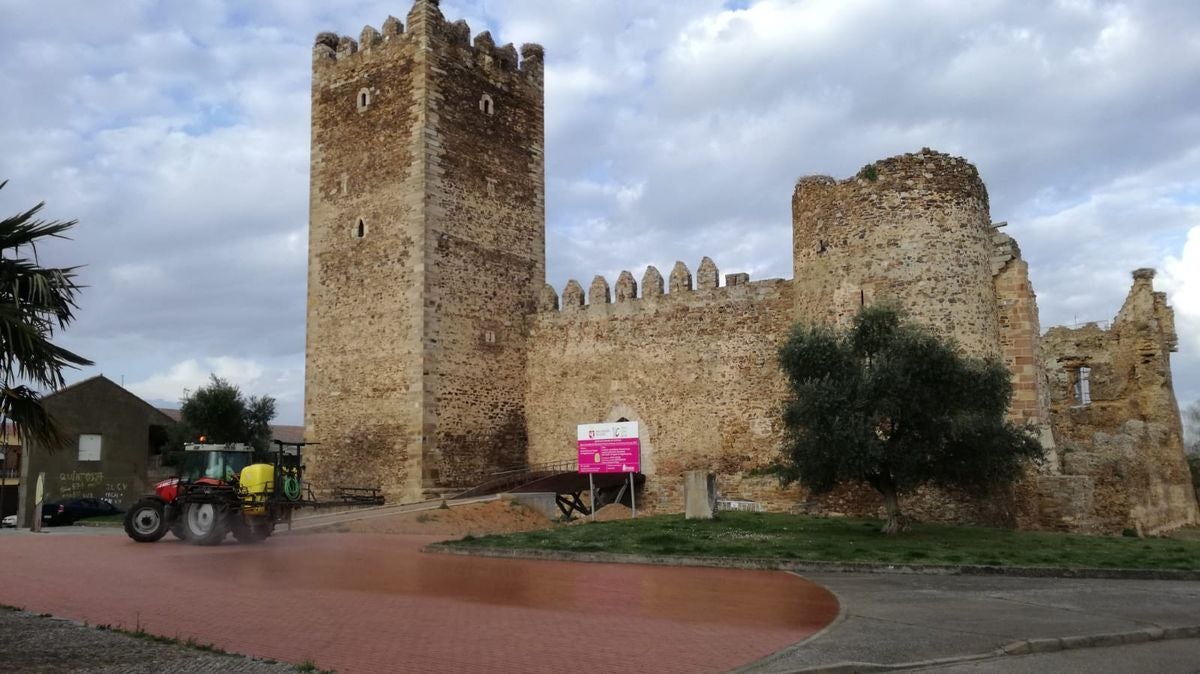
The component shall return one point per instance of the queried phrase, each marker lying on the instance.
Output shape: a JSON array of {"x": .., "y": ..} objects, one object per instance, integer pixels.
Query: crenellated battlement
[
  {"x": 429, "y": 29},
  {"x": 601, "y": 298}
]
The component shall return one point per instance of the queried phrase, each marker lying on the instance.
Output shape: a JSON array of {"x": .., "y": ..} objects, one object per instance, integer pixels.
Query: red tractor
[{"x": 221, "y": 490}]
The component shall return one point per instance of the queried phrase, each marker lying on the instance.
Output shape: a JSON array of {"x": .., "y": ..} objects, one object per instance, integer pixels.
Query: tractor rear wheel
[
  {"x": 205, "y": 523},
  {"x": 178, "y": 530},
  {"x": 145, "y": 521}
]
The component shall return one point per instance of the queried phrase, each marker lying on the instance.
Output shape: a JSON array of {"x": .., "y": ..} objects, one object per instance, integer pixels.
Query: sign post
[
  {"x": 609, "y": 448},
  {"x": 592, "y": 491},
  {"x": 632, "y": 499}
]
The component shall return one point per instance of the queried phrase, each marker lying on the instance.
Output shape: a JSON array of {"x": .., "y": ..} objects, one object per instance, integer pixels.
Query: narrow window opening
[
  {"x": 491, "y": 187},
  {"x": 489, "y": 337},
  {"x": 360, "y": 230},
  {"x": 1083, "y": 386},
  {"x": 486, "y": 105},
  {"x": 364, "y": 99}
]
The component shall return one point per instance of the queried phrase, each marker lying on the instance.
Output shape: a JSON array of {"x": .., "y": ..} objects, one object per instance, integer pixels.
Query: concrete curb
[
  {"x": 813, "y": 566},
  {"x": 1024, "y": 647}
]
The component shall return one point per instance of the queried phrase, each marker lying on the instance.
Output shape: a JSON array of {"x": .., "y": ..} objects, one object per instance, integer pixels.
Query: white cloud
[
  {"x": 178, "y": 135},
  {"x": 1181, "y": 280},
  {"x": 189, "y": 375}
]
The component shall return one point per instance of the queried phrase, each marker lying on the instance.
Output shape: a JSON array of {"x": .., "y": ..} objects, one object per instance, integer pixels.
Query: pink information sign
[{"x": 609, "y": 448}]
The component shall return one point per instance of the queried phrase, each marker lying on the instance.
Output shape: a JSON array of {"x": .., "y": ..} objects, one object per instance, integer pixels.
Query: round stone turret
[{"x": 913, "y": 230}]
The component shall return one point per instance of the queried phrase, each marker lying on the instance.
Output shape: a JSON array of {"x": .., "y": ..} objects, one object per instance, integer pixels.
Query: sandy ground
[{"x": 493, "y": 517}]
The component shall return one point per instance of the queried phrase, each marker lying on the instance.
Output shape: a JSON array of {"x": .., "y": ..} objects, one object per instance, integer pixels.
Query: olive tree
[{"x": 888, "y": 403}]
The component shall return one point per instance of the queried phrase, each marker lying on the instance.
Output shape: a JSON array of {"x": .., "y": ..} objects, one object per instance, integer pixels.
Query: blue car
[{"x": 69, "y": 512}]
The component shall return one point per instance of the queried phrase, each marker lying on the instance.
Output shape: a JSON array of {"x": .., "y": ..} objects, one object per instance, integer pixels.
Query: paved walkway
[
  {"x": 895, "y": 619},
  {"x": 359, "y": 603}
]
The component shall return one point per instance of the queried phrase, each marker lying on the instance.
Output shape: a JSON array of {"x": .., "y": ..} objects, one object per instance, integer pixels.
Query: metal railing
[{"x": 503, "y": 480}]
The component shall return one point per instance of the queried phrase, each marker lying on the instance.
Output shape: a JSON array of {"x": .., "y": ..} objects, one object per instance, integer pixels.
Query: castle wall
[
  {"x": 913, "y": 230},
  {"x": 697, "y": 368},
  {"x": 1020, "y": 343},
  {"x": 363, "y": 383},
  {"x": 435, "y": 353},
  {"x": 1128, "y": 437}
]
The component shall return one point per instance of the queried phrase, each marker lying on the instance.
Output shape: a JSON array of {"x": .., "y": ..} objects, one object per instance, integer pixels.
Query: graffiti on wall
[{"x": 91, "y": 485}]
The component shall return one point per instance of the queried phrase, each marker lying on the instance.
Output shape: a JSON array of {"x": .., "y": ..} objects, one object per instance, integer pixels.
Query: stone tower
[
  {"x": 914, "y": 230},
  {"x": 426, "y": 253}
]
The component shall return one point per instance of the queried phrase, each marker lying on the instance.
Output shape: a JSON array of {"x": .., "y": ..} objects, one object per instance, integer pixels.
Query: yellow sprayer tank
[{"x": 256, "y": 482}]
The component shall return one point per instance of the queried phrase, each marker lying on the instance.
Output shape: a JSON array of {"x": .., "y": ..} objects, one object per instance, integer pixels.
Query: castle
[{"x": 436, "y": 352}]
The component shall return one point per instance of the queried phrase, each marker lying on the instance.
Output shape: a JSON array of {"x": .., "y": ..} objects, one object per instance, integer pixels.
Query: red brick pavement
[{"x": 370, "y": 603}]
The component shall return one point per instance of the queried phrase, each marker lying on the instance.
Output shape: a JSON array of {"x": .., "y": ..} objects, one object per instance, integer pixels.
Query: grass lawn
[{"x": 779, "y": 536}]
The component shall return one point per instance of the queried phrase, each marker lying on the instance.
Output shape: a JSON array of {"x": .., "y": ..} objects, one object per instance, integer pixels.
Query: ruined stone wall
[
  {"x": 485, "y": 256},
  {"x": 426, "y": 250},
  {"x": 696, "y": 366},
  {"x": 1020, "y": 343},
  {"x": 913, "y": 230},
  {"x": 1128, "y": 437},
  {"x": 363, "y": 382}
]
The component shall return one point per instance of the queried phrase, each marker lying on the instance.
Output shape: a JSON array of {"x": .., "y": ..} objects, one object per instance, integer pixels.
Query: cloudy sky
[{"x": 177, "y": 133}]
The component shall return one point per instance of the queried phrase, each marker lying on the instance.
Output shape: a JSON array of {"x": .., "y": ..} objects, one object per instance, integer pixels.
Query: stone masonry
[
  {"x": 1120, "y": 426},
  {"x": 436, "y": 353},
  {"x": 426, "y": 252}
]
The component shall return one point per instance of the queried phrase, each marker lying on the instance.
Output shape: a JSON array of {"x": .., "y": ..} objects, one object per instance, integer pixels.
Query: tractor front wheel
[
  {"x": 145, "y": 521},
  {"x": 204, "y": 523}
]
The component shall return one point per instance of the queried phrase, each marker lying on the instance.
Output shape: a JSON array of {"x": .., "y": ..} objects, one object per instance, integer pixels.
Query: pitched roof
[{"x": 101, "y": 379}]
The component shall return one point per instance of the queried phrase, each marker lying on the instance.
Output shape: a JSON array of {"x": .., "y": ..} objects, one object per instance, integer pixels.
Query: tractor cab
[{"x": 210, "y": 462}]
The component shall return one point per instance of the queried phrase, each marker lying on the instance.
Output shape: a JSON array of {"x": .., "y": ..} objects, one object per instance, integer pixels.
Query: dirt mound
[
  {"x": 613, "y": 511},
  {"x": 492, "y": 517}
]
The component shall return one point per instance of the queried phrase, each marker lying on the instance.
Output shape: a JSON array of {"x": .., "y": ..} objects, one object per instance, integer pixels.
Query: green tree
[
  {"x": 888, "y": 403},
  {"x": 1191, "y": 424},
  {"x": 34, "y": 301},
  {"x": 1191, "y": 428},
  {"x": 219, "y": 413}
]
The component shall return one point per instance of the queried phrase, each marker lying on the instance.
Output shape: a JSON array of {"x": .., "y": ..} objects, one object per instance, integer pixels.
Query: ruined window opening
[
  {"x": 486, "y": 105},
  {"x": 491, "y": 187},
  {"x": 360, "y": 230},
  {"x": 1083, "y": 386},
  {"x": 489, "y": 337},
  {"x": 364, "y": 99}
]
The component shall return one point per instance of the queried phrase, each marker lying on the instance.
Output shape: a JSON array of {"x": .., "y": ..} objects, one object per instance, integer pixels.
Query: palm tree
[{"x": 34, "y": 300}]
